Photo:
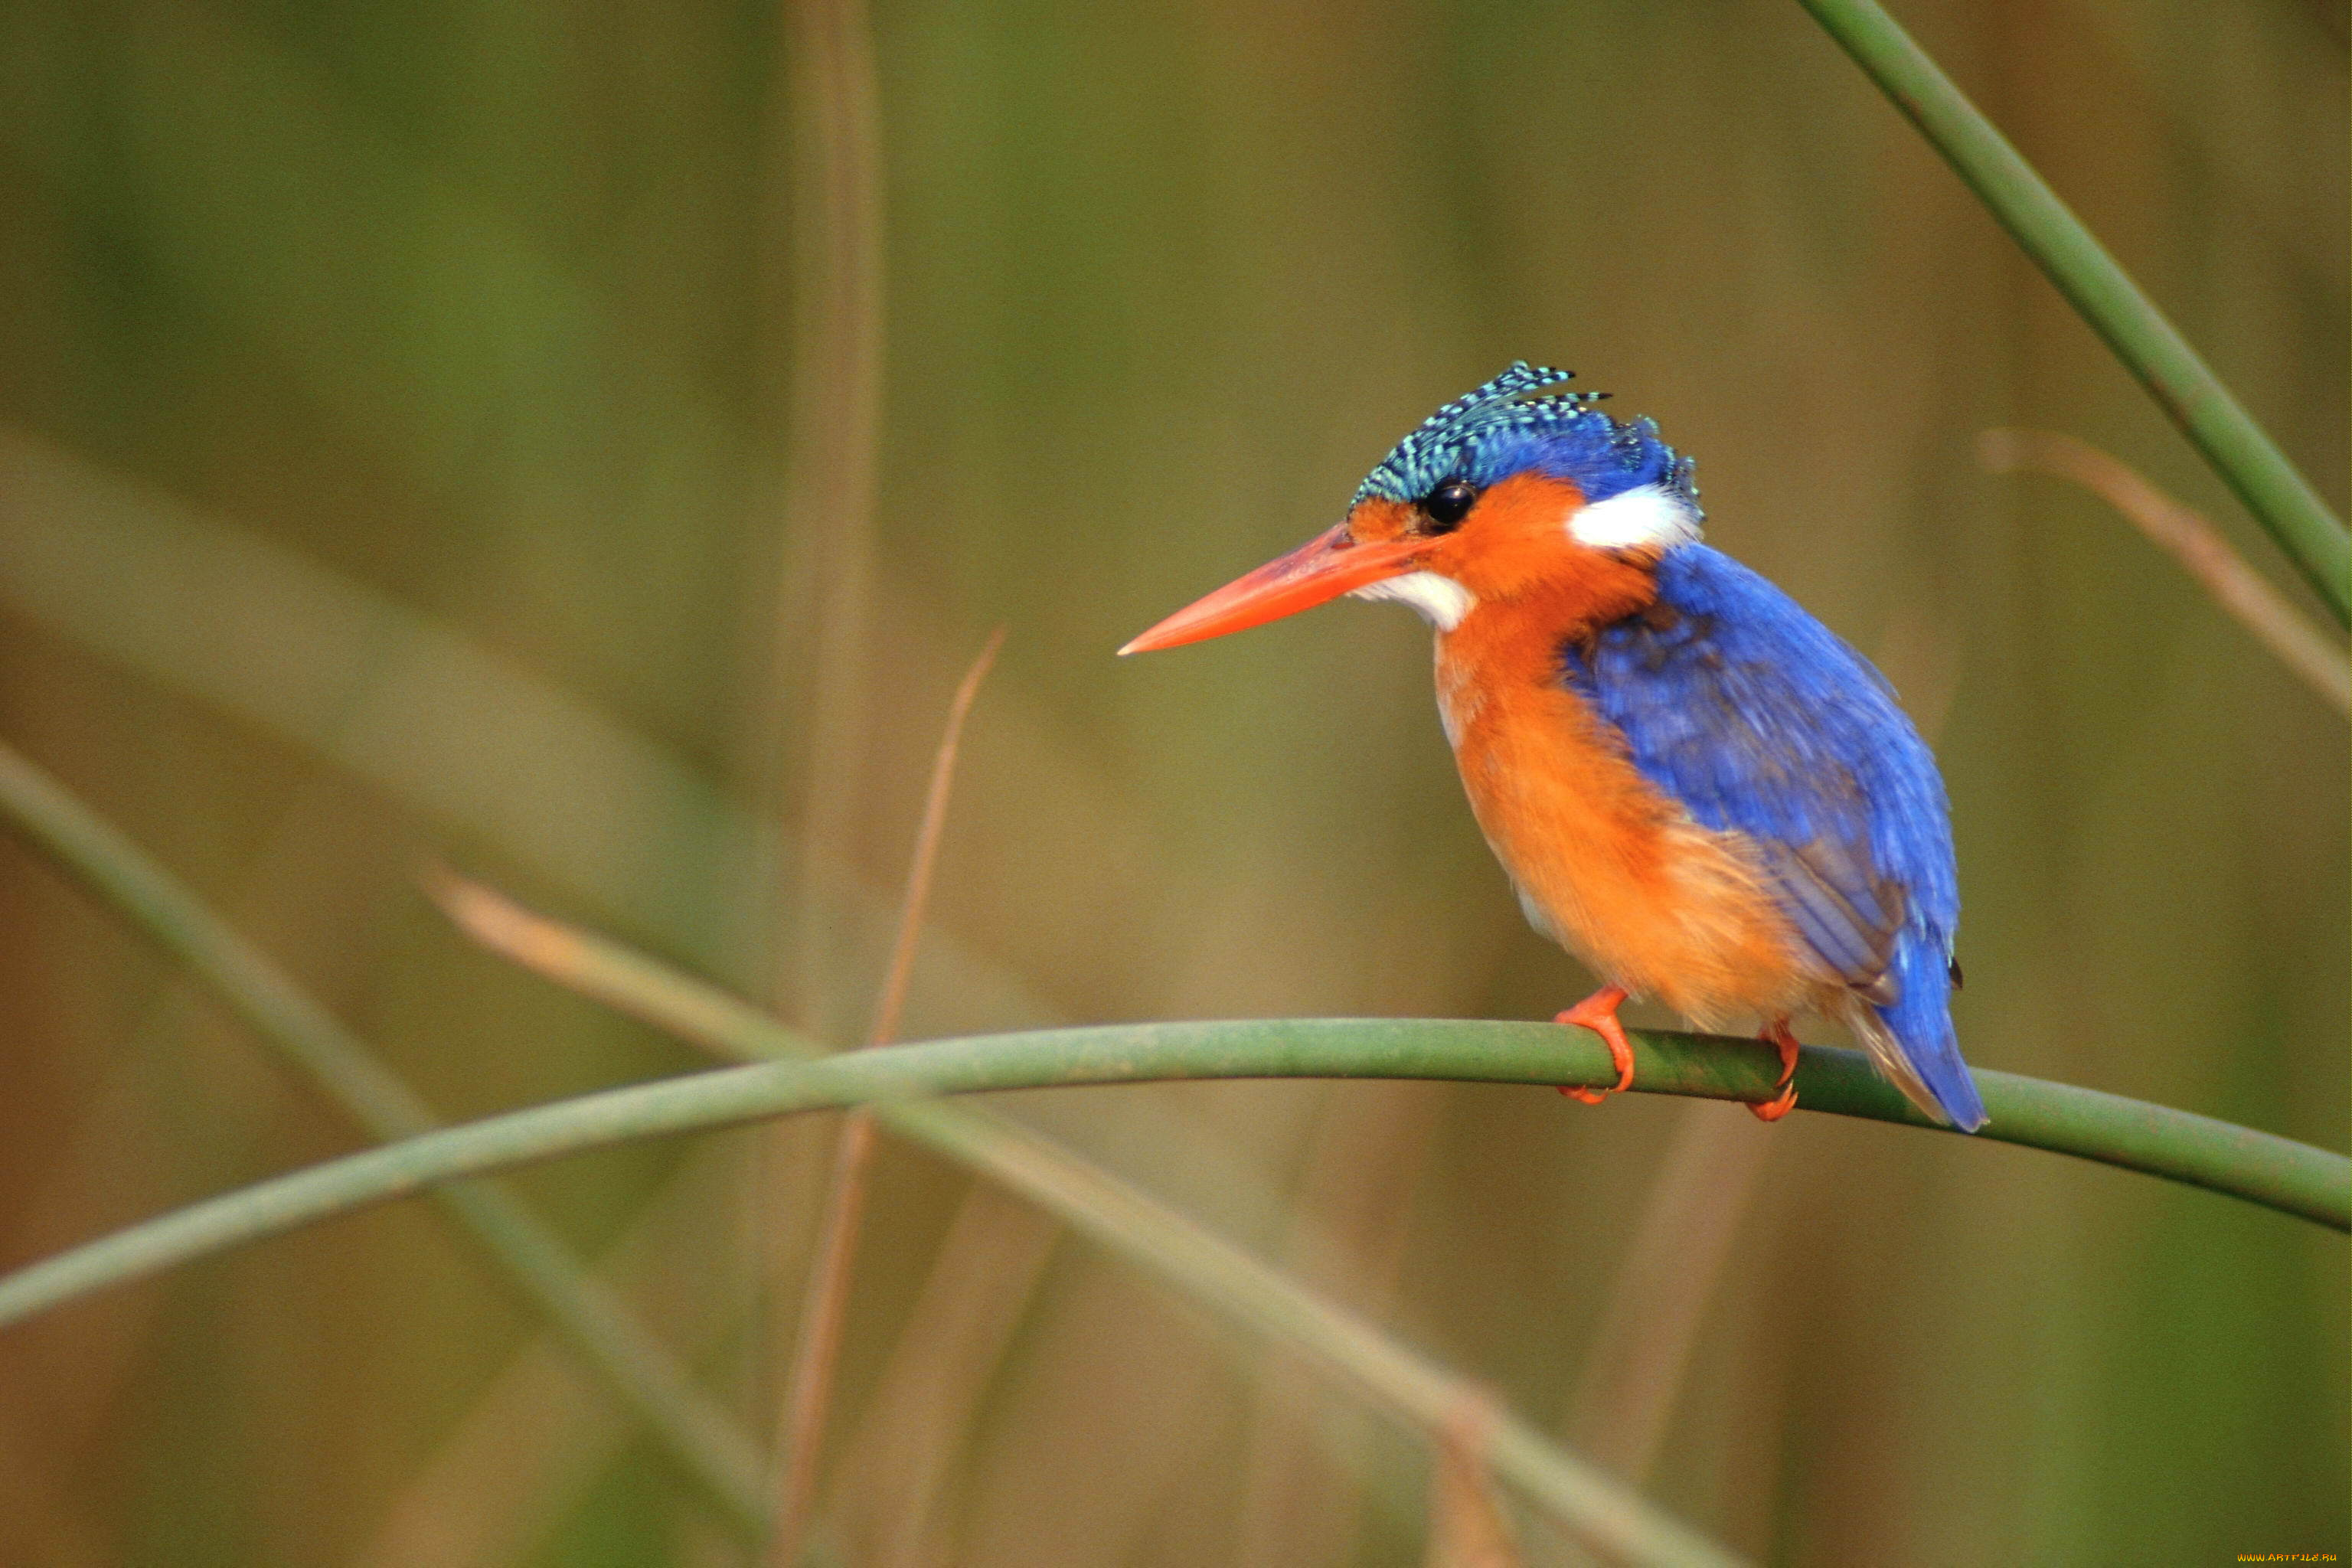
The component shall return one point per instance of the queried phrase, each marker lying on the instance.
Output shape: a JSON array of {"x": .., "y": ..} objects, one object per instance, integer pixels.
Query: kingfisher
[{"x": 1695, "y": 786}]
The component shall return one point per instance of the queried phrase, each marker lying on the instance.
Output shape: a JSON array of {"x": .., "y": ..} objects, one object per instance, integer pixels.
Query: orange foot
[
  {"x": 1780, "y": 1104},
  {"x": 1598, "y": 1013}
]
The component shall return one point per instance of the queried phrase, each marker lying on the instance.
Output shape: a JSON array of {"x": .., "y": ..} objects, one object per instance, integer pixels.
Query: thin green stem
[
  {"x": 2260, "y": 1167},
  {"x": 2240, "y": 450},
  {"x": 641, "y": 1373},
  {"x": 896, "y": 1081},
  {"x": 1160, "y": 1240}
]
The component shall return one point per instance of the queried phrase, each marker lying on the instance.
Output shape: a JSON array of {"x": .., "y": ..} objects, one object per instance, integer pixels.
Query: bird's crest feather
[{"x": 1517, "y": 423}]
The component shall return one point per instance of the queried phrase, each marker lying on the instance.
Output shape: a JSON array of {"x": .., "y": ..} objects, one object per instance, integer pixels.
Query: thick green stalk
[
  {"x": 640, "y": 1372},
  {"x": 2240, "y": 451}
]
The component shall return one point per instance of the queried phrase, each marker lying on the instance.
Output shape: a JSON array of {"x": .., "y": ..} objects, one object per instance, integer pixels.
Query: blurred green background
[{"x": 409, "y": 451}]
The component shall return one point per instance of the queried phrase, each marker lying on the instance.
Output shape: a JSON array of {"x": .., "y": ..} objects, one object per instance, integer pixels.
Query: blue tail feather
[{"x": 1919, "y": 1024}]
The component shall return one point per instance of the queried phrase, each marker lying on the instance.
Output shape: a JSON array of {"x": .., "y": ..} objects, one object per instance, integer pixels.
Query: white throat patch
[
  {"x": 1646, "y": 517},
  {"x": 1440, "y": 600}
]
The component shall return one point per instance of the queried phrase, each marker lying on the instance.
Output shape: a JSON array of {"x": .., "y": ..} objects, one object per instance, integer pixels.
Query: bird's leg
[
  {"x": 1598, "y": 1013},
  {"x": 1777, "y": 1033}
]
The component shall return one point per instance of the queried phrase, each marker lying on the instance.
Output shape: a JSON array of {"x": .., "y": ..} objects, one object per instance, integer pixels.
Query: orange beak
[{"x": 1322, "y": 569}]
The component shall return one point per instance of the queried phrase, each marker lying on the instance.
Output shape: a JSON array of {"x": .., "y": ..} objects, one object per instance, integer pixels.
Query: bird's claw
[
  {"x": 1598, "y": 1013},
  {"x": 1785, "y": 1101}
]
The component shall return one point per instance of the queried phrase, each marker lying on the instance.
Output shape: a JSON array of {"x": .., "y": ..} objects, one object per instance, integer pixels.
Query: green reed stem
[
  {"x": 2274, "y": 1172},
  {"x": 2240, "y": 450},
  {"x": 2260, "y": 1167},
  {"x": 1163, "y": 1241},
  {"x": 895, "y": 1080},
  {"x": 698, "y": 1434}
]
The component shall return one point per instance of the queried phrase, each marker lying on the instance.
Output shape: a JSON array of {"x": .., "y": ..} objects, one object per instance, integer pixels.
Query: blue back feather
[{"x": 1758, "y": 719}]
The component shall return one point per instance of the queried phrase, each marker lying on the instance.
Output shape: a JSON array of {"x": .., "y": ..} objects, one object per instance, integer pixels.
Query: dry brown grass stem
[
  {"x": 826, "y": 265},
  {"x": 2191, "y": 540},
  {"x": 825, "y": 286},
  {"x": 561, "y": 952},
  {"x": 800, "y": 1437},
  {"x": 817, "y": 1355},
  {"x": 893, "y": 995},
  {"x": 885, "y": 1510}
]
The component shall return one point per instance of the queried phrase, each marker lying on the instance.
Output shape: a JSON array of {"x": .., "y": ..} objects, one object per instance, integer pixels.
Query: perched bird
[{"x": 1695, "y": 786}]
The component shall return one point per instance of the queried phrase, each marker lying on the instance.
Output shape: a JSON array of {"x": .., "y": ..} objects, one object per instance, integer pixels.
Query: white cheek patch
[
  {"x": 1647, "y": 517},
  {"x": 1440, "y": 601}
]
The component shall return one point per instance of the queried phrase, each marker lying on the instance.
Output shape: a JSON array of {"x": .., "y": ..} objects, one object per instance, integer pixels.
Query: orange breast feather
[{"x": 1605, "y": 863}]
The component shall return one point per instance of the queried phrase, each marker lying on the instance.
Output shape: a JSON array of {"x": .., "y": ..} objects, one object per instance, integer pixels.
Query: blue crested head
[{"x": 1515, "y": 425}]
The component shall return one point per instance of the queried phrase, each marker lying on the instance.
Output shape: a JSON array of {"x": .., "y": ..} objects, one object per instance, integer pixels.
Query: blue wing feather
[{"x": 1757, "y": 717}]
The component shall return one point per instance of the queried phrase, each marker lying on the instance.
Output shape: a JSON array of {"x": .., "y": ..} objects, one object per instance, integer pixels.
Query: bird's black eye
[{"x": 1448, "y": 504}]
